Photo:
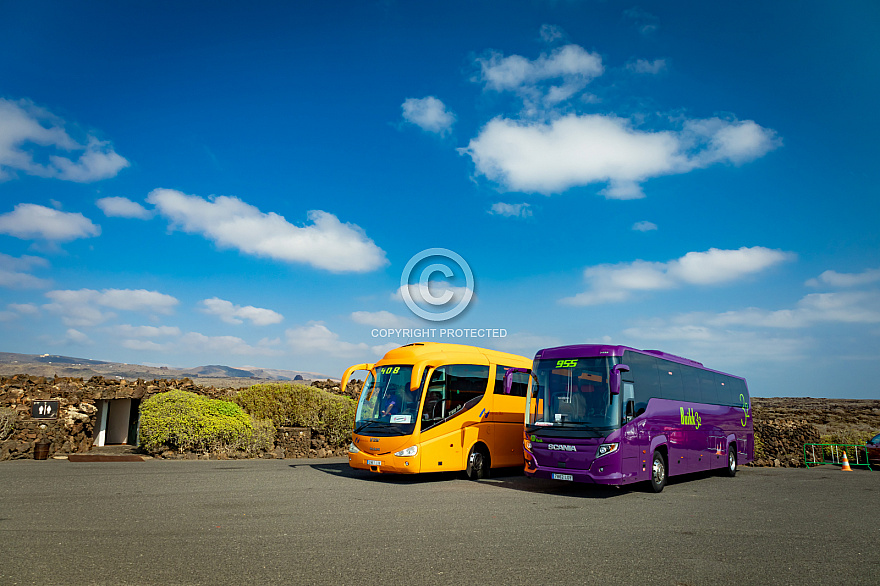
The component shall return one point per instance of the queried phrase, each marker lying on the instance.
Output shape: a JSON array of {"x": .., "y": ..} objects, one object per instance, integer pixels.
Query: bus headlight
[
  {"x": 408, "y": 453},
  {"x": 605, "y": 449},
  {"x": 353, "y": 449}
]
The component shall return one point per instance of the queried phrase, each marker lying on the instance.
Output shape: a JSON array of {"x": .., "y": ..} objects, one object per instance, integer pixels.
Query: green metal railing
[{"x": 815, "y": 454}]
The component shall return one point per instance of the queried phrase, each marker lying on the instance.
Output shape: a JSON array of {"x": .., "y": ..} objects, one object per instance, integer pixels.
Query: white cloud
[
  {"x": 550, "y": 33},
  {"x": 850, "y": 307},
  {"x": 647, "y": 67},
  {"x": 15, "y": 272},
  {"x": 644, "y": 21},
  {"x": 326, "y": 244},
  {"x": 644, "y": 226},
  {"x": 122, "y": 207},
  {"x": 17, "y": 310},
  {"x": 835, "y": 279},
  {"x": 543, "y": 82},
  {"x": 551, "y": 157},
  {"x": 429, "y": 114},
  {"x": 713, "y": 140},
  {"x": 35, "y": 222},
  {"x": 316, "y": 338},
  {"x": 76, "y": 337},
  {"x": 716, "y": 347},
  {"x": 436, "y": 289},
  {"x": 84, "y": 307},
  {"x": 235, "y": 314},
  {"x": 526, "y": 343},
  {"x": 381, "y": 319},
  {"x": 616, "y": 283},
  {"x": 27, "y": 130},
  {"x": 512, "y": 73},
  {"x": 511, "y": 210},
  {"x": 195, "y": 342},
  {"x": 130, "y": 331}
]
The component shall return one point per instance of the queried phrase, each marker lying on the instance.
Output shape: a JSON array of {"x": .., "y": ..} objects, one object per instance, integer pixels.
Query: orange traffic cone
[{"x": 845, "y": 463}]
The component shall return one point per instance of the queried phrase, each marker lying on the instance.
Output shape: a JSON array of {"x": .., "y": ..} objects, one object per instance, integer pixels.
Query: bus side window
[
  {"x": 520, "y": 382},
  {"x": 456, "y": 388},
  {"x": 690, "y": 379},
  {"x": 646, "y": 377}
]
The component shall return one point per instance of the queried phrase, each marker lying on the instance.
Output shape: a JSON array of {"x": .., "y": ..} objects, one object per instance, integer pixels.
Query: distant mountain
[
  {"x": 10, "y": 358},
  {"x": 219, "y": 371},
  {"x": 55, "y": 365}
]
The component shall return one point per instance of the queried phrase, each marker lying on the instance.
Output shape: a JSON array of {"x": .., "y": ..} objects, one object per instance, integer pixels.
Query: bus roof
[
  {"x": 419, "y": 351},
  {"x": 583, "y": 350}
]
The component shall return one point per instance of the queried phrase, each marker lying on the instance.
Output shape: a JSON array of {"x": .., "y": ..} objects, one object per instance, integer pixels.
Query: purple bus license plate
[{"x": 563, "y": 477}]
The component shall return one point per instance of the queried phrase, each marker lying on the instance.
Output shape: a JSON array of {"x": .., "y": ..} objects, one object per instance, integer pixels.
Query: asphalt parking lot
[{"x": 319, "y": 522}]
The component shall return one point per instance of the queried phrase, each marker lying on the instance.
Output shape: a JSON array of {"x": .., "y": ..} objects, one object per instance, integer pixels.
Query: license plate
[
  {"x": 563, "y": 477},
  {"x": 374, "y": 462}
]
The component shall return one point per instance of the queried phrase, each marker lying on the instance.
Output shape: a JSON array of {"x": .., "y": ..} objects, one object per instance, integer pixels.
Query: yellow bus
[{"x": 431, "y": 407}]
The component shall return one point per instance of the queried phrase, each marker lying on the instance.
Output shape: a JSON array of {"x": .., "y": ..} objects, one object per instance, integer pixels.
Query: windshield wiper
[
  {"x": 365, "y": 425},
  {"x": 384, "y": 424}
]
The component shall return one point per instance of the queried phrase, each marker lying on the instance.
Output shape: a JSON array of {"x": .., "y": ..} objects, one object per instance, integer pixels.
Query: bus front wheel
[
  {"x": 478, "y": 463},
  {"x": 658, "y": 472}
]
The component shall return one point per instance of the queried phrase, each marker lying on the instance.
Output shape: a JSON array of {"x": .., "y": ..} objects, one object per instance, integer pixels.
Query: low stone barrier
[{"x": 780, "y": 442}]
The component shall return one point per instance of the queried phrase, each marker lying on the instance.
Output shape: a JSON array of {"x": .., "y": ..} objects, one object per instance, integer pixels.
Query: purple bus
[{"x": 616, "y": 415}]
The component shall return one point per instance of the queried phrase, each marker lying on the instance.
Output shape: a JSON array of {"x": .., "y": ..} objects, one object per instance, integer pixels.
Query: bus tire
[
  {"x": 730, "y": 469},
  {"x": 478, "y": 463},
  {"x": 659, "y": 471}
]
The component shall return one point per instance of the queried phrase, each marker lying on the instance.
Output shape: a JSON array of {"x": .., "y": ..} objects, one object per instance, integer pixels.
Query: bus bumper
[
  {"x": 606, "y": 473},
  {"x": 385, "y": 463}
]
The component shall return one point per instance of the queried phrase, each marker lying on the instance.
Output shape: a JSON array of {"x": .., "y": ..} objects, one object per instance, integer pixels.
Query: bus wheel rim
[{"x": 658, "y": 471}]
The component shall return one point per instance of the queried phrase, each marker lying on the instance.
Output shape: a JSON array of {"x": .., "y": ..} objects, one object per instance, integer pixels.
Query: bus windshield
[
  {"x": 572, "y": 394},
  {"x": 386, "y": 405}
]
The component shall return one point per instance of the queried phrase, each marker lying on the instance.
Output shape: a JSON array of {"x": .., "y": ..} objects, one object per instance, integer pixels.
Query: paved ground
[{"x": 318, "y": 522}]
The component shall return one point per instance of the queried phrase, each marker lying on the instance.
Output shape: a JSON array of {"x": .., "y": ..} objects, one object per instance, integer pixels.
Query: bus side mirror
[
  {"x": 615, "y": 377},
  {"x": 508, "y": 378},
  {"x": 418, "y": 372},
  {"x": 351, "y": 370}
]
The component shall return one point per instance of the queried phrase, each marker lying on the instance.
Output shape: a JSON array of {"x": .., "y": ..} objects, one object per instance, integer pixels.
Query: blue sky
[{"x": 214, "y": 183}]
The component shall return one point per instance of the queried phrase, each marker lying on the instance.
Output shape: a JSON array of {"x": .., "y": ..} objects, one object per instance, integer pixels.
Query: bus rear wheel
[
  {"x": 478, "y": 463},
  {"x": 658, "y": 472},
  {"x": 730, "y": 469}
]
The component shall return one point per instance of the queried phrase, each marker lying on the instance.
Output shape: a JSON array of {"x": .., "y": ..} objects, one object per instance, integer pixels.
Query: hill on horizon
[{"x": 12, "y": 363}]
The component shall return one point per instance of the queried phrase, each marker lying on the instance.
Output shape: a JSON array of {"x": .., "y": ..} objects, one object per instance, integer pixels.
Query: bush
[
  {"x": 292, "y": 405},
  {"x": 186, "y": 421},
  {"x": 7, "y": 422}
]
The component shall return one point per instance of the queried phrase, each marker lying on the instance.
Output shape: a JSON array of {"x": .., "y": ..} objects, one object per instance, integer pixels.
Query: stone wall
[
  {"x": 73, "y": 431},
  {"x": 780, "y": 442},
  {"x": 352, "y": 389}
]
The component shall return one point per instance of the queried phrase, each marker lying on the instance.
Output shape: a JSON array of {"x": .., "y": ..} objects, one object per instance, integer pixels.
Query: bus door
[
  {"x": 631, "y": 448},
  {"x": 506, "y": 418},
  {"x": 449, "y": 421}
]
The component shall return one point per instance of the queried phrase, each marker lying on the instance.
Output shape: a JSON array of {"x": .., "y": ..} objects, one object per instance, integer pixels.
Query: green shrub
[
  {"x": 187, "y": 421},
  {"x": 292, "y": 405}
]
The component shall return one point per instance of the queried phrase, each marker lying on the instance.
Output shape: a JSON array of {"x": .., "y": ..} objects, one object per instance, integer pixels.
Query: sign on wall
[{"x": 44, "y": 409}]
